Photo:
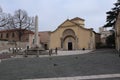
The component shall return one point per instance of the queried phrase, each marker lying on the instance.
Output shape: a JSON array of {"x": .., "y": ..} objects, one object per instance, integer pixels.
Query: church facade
[{"x": 72, "y": 35}]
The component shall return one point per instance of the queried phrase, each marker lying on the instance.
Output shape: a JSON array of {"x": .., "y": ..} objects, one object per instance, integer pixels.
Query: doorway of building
[
  {"x": 46, "y": 46},
  {"x": 70, "y": 47}
]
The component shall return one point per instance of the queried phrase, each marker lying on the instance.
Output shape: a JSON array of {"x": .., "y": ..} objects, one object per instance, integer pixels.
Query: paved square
[{"x": 102, "y": 63}]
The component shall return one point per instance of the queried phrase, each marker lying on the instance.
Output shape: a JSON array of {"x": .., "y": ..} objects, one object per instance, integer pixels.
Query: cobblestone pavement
[{"x": 103, "y": 64}]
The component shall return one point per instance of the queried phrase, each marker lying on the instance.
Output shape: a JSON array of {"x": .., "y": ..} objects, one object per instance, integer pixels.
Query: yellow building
[
  {"x": 72, "y": 35},
  {"x": 117, "y": 31}
]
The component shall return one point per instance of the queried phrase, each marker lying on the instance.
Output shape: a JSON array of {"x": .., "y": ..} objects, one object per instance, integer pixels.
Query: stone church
[{"x": 72, "y": 35}]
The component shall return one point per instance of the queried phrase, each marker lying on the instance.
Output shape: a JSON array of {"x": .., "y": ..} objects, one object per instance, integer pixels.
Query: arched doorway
[
  {"x": 69, "y": 43},
  {"x": 68, "y": 40}
]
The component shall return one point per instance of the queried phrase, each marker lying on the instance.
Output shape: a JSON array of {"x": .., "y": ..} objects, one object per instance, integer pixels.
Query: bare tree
[
  {"x": 22, "y": 22},
  {"x": 4, "y": 18}
]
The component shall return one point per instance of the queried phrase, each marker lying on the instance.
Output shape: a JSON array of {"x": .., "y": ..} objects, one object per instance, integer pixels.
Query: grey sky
[{"x": 54, "y": 12}]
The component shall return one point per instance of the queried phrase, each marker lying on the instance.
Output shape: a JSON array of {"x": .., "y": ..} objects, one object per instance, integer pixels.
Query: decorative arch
[
  {"x": 68, "y": 37},
  {"x": 69, "y": 40},
  {"x": 68, "y": 32}
]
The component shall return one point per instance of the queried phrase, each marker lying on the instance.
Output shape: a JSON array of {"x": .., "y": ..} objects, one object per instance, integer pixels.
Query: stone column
[
  {"x": 36, "y": 36},
  {"x": 36, "y": 43}
]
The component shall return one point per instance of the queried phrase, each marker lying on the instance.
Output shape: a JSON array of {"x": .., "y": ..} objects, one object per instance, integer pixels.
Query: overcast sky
[{"x": 52, "y": 13}]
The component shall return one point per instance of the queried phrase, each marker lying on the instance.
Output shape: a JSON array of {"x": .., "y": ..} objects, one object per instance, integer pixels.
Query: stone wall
[{"x": 5, "y": 45}]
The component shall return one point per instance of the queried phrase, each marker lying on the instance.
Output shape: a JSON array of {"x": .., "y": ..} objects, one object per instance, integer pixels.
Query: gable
[{"x": 67, "y": 23}]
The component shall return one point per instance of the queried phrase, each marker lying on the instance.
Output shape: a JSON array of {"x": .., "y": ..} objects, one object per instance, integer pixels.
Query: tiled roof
[{"x": 13, "y": 30}]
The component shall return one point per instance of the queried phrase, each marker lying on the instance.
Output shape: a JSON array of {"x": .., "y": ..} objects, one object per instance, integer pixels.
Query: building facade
[
  {"x": 72, "y": 35},
  {"x": 44, "y": 38},
  {"x": 104, "y": 34},
  {"x": 10, "y": 38},
  {"x": 12, "y": 35}
]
